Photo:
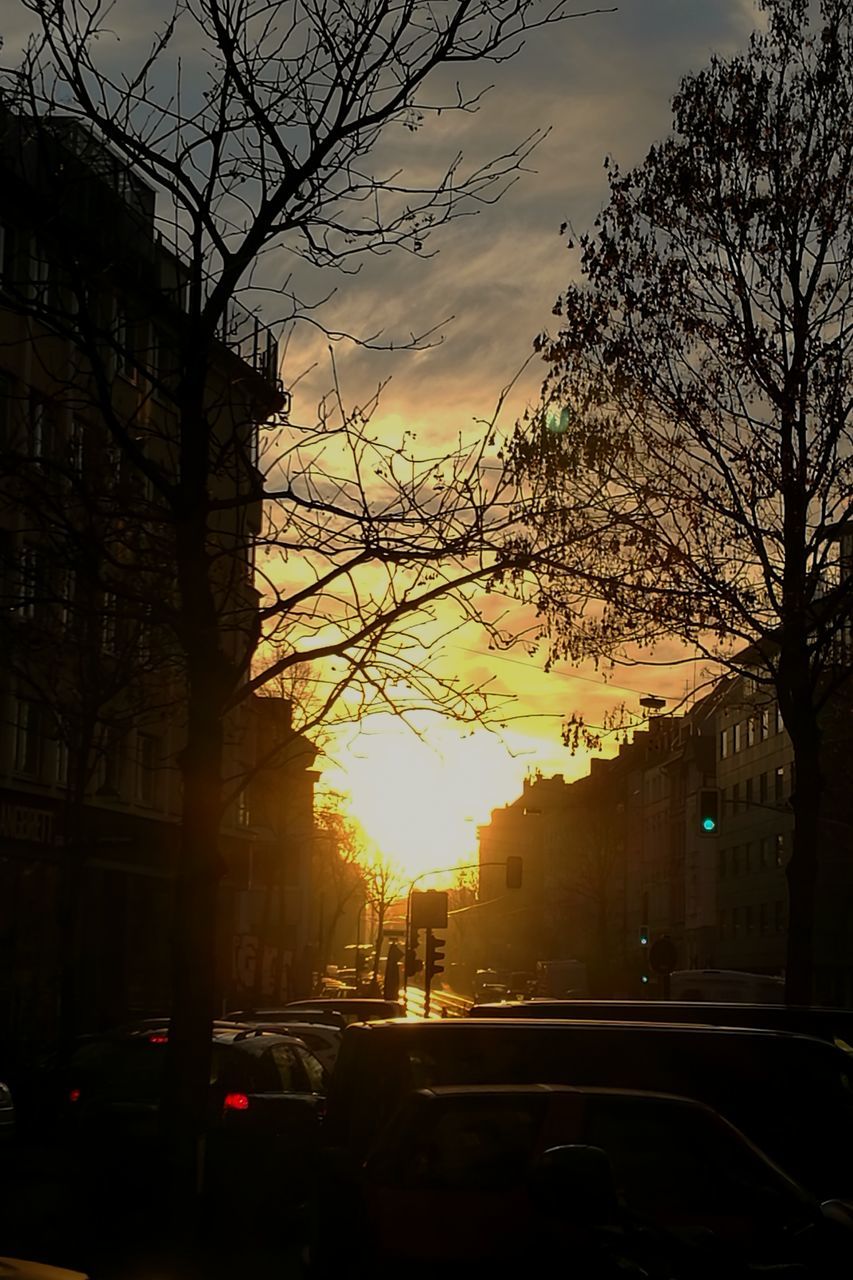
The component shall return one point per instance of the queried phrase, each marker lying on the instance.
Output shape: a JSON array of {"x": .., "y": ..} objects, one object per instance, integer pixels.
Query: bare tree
[
  {"x": 699, "y": 398},
  {"x": 264, "y": 141},
  {"x": 340, "y": 880},
  {"x": 384, "y": 883}
]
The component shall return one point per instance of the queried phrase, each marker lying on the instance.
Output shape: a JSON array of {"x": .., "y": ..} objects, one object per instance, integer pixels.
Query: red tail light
[
  {"x": 236, "y": 1102},
  {"x": 158, "y": 1039},
  {"x": 73, "y": 1095}
]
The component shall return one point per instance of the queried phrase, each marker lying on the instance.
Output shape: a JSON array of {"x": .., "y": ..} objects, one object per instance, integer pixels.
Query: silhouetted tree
[
  {"x": 698, "y": 397},
  {"x": 257, "y": 128}
]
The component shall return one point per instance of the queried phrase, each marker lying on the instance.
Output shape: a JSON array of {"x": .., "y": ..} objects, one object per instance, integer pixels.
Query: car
[
  {"x": 266, "y": 1100},
  {"x": 835, "y": 1025},
  {"x": 490, "y": 993},
  {"x": 790, "y": 1094},
  {"x": 666, "y": 1171},
  {"x": 354, "y": 1009},
  {"x": 322, "y": 1040}
]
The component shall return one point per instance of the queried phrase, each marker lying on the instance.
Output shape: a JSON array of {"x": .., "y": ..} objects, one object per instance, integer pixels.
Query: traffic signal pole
[
  {"x": 514, "y": 870},
  {"x": 427, "y": 974}
]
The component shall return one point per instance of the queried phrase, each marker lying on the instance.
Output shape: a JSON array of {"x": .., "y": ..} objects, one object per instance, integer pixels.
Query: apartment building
[{"x": 92, "y": 327}]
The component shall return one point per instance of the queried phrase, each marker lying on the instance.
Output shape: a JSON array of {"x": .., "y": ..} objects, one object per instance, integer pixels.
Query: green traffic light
[{"x": 708, "y": 824}]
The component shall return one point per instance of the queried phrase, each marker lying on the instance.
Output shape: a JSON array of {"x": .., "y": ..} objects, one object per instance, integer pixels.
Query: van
[{"x": 791, "y": 1094}]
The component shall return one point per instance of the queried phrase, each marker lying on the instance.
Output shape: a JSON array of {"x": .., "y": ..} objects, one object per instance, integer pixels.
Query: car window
[
  {"x": 291, "y": 1077},
  {"x": 667, "y": 1154},
  {"x": 461, "y": 1143},
  {"x": 313, "y": 1070}
]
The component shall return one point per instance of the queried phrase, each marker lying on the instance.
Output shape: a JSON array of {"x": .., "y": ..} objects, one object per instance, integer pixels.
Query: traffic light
[
  {"x": 514, "y": 868},
  {"x": 644, "y": 935},
  {"x": 434, "y": 954},
  {"x": 709, "y": 811},
  {"x": 413, "y": 964}
]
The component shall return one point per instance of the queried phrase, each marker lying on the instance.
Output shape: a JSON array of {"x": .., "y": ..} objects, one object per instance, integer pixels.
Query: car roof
[
  {"x": 252, "y": 1040},
  {"x": 534, "y": 1026},
  {"x": 535, "y": 1090}
]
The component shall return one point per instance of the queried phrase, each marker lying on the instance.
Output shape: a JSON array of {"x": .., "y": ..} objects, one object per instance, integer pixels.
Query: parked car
[
  {"x": 790, "y": 1094},
  {"x": 478, "y": 1165},
  {"x": 322, "y": 1040},
  {"x": 330, "y": 1017},
  {"x": 354, "y": 1009},
  {"x": 835, "y": 1025},
  {"x": 266, "y": 1098},
  {"x": 490, "y": 994}
]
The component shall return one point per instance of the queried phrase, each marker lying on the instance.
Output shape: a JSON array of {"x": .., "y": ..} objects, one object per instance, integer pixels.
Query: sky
[{"x": 601, "y": 86}]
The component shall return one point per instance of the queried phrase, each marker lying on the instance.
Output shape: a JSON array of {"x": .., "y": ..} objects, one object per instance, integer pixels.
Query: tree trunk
[
  {"x": 802, "y": 869},
  {"x": 194, "y": 953}
]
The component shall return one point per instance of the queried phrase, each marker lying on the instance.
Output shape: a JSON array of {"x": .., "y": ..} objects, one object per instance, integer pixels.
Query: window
[
  {"x": 735, "y": 922},
  {"x": 764, "y": 725},
  {"x": 779, "y": 917},
  {"x": 109, "y": 622},
  {"x": 735, "y": 862},
  {"x": 30, "y": 581},
  {"x": 244, "y": 816},
  {"x": 780, "y": 850},
  {"x": 767, "y": 847},
  {"x": 779, "y": 784},
  {"x": 110, "y": 765},
  {"x": 67, "y": 592},
  {"x": 737, "y": 737},
  {"x": 313, "y": 1070},
  {"x": 123, "y": 339},
  {"x": 750, "y": 731},
  {"x": 28, "y": 738},
  {"x": 748, "y": 791},
  {"x": 60, "y": 762},
  {"x": 75, "y": 445},
  {"x": 146, "y": 764},
  {"x": 724, "y": 744},
  {"x": 762, "y": 919},
  {"x": 286, "y": 1068},
  {"x": 735, "y": 797},
  {"x": 747, "y": 858},
  {"x": 779, "y": 722},
  {"x": 39, "y": 272},
  {"x": 748, "y": 920},
  {"x": 762, "y": 788}
]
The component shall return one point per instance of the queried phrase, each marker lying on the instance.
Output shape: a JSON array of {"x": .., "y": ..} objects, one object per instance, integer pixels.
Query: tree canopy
[{"x": 698, "y": 393}]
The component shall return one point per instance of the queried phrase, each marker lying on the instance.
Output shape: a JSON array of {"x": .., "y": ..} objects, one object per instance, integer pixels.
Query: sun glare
[{"x": 420, "y": 802}]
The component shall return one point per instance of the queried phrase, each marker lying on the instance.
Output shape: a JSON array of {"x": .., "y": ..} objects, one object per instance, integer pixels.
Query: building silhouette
[{"x": 92, "y": 331}]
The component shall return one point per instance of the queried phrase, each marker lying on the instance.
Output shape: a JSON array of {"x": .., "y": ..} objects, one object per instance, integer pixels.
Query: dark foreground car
[
  {"x": 789, "y": 1094},
  {"x": 834, "y": 1025},
  {"x": 650, "y": 1180},
  {"x": 266, "y": 1098}
]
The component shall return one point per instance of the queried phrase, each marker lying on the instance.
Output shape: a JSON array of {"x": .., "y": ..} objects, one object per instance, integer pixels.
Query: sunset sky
[{"x": 603, "y": 86}]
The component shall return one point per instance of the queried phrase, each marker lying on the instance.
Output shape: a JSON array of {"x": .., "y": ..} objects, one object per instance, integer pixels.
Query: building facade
[{"x": 92, "y": 326}]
